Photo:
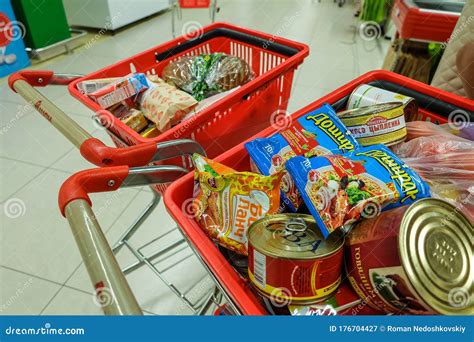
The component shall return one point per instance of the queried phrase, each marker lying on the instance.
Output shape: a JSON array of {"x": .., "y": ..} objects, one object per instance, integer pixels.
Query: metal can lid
[
  {"x": 436, "y": 249},
  {"x": 370, "y": 110},
  {"x": 292, "y": 236}
]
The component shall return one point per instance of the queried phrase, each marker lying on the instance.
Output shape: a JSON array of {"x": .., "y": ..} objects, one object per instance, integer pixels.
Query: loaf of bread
[{"x": 206, "y": 75}]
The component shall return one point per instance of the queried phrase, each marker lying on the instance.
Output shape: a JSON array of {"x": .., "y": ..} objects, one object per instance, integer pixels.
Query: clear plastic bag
[
  {"x": 444, "y": 160},
  {"x": 206, "y": 75}
]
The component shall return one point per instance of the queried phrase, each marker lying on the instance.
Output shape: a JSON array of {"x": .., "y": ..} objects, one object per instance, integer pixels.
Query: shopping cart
[
  {"x": 434, "y": 105},
  {"x": 216, "y": 128},
  {"x": 178, "y": 5}
]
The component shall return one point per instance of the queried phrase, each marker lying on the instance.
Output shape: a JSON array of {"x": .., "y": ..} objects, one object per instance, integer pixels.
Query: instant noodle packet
[
  {"x": 340, "y": 189},
  {"x": 228, "y": 202},
  {"x": 317, "y": 133}
]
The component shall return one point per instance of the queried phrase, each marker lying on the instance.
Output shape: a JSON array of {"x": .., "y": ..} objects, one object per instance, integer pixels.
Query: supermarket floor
[{"x": 41, "y": 270}]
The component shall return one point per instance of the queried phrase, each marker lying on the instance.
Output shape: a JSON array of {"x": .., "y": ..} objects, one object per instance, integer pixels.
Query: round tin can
[
  {"x": 414, "y": 260},
  {"x": 367, "y": 95},
  {"x": 383, "y": 123},
  {"x": 289, "y": 260}
]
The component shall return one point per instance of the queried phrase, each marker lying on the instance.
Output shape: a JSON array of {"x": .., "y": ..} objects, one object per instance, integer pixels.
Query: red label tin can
[{"x": 289, "y": 260}]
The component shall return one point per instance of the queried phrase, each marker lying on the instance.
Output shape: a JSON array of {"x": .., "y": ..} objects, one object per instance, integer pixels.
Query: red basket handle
[{"x": 92, "y": 149}]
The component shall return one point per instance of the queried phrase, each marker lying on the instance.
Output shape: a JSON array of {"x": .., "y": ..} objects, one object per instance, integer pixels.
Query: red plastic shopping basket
[
  {"x": 434, "y": 105},
  {"x": 238, "y": 115},
  {"x": 194, "y": 3}
]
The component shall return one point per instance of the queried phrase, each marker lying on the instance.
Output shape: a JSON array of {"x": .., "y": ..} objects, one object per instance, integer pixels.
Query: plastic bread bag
[
  {"x": 228, "y": 202},
  {"x": 206, "y": 75},
  {"x": 164, "y": 104},
  {"x": 340, "y": 189},
  {"x": 317, "y": 133}
]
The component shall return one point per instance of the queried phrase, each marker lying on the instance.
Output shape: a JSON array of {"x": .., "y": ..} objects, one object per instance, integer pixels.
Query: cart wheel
[
  {"x": 218, "y": 9},
  {"x": 340, "y": 4}
]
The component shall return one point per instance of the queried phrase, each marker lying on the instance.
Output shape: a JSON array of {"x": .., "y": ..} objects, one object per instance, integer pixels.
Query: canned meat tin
[
  {"x": 290, "y": 261},
  {"x": 382, "y": 123},
  {"x": 367, "y": 95},
  {"x": 415, "y": 259}
]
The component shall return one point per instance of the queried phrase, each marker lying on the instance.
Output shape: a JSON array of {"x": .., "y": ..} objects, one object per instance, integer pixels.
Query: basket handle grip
[
  {"x": 112, "y": 290},
  {"x": 92, "y": 149}
]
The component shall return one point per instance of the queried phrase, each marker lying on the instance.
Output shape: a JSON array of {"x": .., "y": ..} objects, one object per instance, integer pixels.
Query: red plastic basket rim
[
  {"x": 227, "y": 276},
  {"x": 290, "y": 63}
]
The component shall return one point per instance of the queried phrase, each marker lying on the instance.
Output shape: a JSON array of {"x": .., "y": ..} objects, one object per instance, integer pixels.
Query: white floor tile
[
  {"x": 36, "y": 238},
  {"x": 15, "y": 174},
  {"x": 22, "y": 294},
  {"x": 72, "y": 302}
]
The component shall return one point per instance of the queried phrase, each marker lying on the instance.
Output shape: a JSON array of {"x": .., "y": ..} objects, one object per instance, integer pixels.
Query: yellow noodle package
[{"x": 228, "y": 202}]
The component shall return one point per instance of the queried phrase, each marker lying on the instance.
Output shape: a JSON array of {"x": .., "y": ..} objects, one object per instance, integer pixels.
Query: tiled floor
[{"x": 41, "y": 270}]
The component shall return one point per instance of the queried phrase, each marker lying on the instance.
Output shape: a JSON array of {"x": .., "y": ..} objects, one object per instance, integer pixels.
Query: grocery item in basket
[
  {"x": 343, "y": 302},
  {"x": 207, "y": 74},
  {"x": 164, "y": 104},
  {"x": 290, "y": 262},
  {"x": 367, "y": 95},
  {"x": 382, "y": 123},
  {"x": 89, "y": 86},
  {"x": 120, "y": 90},
  {"x": 150, "y": 131},
  {"x": 228, "y": 202},
  {"x": 317, "y": 133},
  {"x": 414, "y": 260},
  {"x": 340, "y": 189},
  {"x": 134, "y": 119}
]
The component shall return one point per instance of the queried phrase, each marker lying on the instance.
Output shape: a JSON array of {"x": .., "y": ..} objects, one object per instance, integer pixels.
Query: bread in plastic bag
[{"x": 205, "y": 75}]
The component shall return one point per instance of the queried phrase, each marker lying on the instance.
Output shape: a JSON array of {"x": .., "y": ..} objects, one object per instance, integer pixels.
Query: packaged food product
[
  {"x": 150, "y": 131},
  {"x": 89, "y": 86},
  {"x": 134, "y": 119},
  {"x": 164, "y": 104},
  {"x": 228, "y": 202},
  {"x": 340, "y": 302},
  {"x": 382, "y": 123},
  {"x": 368, "y": 95},
  {"x": 317, "y": 133},
  {"x": 339, "y": 189},
  {"x": 290, "y": 262},
  {"x": 207, "y": 74},
  {"x": 120, "y": 90},
  {"x": 414, "y": 259}
]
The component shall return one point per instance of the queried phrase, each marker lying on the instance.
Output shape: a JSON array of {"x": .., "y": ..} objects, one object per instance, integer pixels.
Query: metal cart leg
[{"x": 138, "y": 221}]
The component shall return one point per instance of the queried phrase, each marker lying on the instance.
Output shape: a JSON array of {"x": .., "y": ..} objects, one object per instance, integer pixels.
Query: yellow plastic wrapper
[{"x": 228, "y": 202}]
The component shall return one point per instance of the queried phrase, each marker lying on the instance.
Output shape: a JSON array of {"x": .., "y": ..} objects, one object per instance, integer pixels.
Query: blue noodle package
[
  {"x": 317, "y": 133},
  {"x": 340, "y": 189}
]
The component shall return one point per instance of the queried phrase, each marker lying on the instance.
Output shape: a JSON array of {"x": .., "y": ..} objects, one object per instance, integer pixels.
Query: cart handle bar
[
  {"x": 79, "y": 185},
  {"x": 92, "y": 149},
  {"x": 112, "y": 290}
]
